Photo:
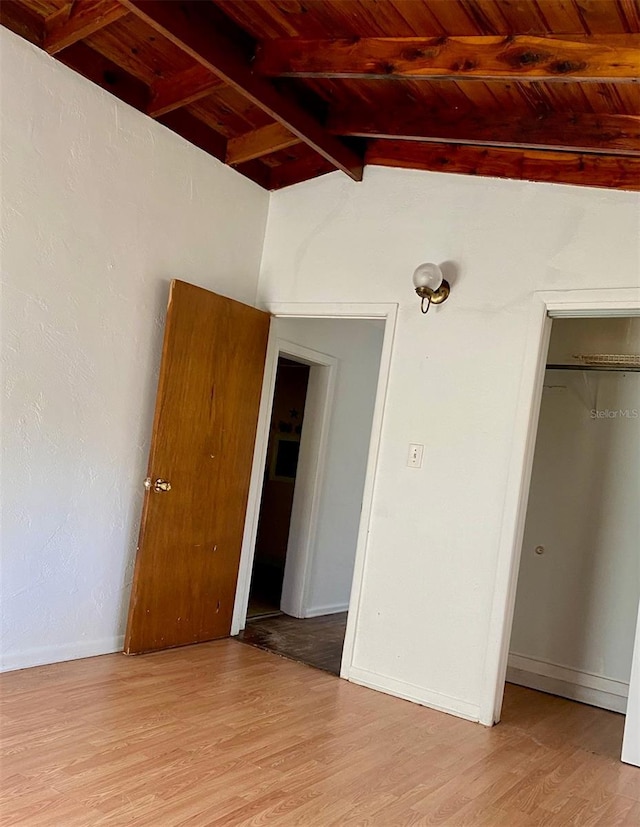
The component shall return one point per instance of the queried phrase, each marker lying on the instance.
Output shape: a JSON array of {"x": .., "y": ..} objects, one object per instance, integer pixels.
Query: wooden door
[{"x": 201, "y": 453}]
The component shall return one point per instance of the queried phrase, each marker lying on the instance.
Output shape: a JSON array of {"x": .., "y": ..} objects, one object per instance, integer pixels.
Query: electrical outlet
[{"x": 414, "y": 460}]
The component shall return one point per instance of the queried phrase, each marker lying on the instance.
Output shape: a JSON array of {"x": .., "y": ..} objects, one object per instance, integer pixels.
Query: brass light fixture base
[{"x": 435, "y": 296}]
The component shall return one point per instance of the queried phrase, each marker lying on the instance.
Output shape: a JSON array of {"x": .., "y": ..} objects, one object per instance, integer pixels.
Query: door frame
[
  {"x": 306, "y": 498},
  {"x": 545, "y": 306},
  {"x": 388, "y": 313},
  {"x": 309, "y": 476}
]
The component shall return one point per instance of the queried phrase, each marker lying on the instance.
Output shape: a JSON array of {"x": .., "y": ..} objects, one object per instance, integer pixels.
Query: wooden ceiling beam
[
  {"x": 181, "y": 89},
  {"x": 79, "y": 20},
  {"x": 259, "y": 142},
  {"x": 611, "y": 171},
  {"x": 513, "y": 58},
  {"x": 583, "y": 132},
  {"x": 188, "y": 25}
]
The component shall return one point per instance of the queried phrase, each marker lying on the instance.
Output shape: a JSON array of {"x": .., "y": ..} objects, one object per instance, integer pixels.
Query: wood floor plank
[{"x": 226, "y": 734}]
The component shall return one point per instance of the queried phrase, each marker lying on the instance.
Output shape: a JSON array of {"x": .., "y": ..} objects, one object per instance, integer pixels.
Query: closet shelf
[{"x": 621, "y": 369}]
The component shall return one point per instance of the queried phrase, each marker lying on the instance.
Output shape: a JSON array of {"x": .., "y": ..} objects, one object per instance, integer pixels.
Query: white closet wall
[{"x": 577, "y": 601}]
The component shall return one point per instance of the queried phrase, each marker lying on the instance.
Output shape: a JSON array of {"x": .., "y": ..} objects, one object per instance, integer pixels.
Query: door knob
[{"x": 158, "y": 485}]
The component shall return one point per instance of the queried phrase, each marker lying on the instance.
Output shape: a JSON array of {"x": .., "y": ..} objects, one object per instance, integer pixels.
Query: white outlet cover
[{"x": 416, "y": 451}]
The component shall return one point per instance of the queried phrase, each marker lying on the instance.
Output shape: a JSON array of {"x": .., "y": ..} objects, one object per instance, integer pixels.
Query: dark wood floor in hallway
[
  {"x": 226, "y": 734},
  {"x": 316, "y": 641}
]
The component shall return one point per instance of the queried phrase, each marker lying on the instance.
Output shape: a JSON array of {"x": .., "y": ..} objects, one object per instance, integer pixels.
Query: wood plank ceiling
[{"x": 286, "y": 90}]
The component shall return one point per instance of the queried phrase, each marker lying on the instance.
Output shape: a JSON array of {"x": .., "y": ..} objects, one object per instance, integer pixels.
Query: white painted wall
[
  {"x": 357, "y": 345},
  {"x": 101, "y": 207},
  {"x": 422, "y": 629},
  {"x": 576, "y": 605}
]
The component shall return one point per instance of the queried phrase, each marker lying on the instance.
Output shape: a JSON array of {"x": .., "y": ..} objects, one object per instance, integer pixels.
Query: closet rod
[{"x": 627, "y": 369}]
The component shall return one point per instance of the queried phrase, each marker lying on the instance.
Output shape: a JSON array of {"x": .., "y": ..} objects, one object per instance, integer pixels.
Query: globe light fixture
[{"x": 430, "y": 285}]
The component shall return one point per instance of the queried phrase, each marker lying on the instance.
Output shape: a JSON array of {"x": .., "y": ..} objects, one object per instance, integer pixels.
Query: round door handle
[{"x": 158, "y": 486}]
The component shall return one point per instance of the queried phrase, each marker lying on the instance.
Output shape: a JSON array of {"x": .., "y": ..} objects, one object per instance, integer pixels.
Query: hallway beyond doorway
[{"x": 316, "y": 641}]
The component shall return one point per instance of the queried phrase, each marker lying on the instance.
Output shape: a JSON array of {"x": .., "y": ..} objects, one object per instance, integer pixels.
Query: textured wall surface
[
  {"x": 101, "y": 208},
  {"x": 429, "y": 575}
]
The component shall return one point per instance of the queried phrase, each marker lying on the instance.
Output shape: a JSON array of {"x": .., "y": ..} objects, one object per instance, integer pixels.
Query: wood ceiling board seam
[
  {"x": 629, "y": 10},
  {"x": 46, "y": 8},
  {"x": 208, "y": 111},
  {"x": 243, "y": 107},
  {"x": 627, "y": 98},
  {"x": 477, "y": 93},
  {"x": 510, "y": 96},
  {"x": 331, "y": 19},
  {"x": 489, "y": 20},
  {"x": 450, "y": 18},
  {"x": 522, "y": 18},
  {"x": 569, "y": 98},
  {"x": 258, "y": 21},
  {"x": 84, "y": 20},
  {"x": 181, "y": 89},
  {"x": 378, "y": 21},
  {"x": 537, "y": 96},
  {"x": 448, "y": 93},
  {"x": 561, "y": 16},
  {"x": 599, "y": 17}
]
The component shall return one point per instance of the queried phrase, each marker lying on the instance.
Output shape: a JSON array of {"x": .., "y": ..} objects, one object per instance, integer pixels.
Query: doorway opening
[
  {"x": 281, "y": 466},
  {"x": 313, "y": 470},
  {"x": 578, "y": 585}
]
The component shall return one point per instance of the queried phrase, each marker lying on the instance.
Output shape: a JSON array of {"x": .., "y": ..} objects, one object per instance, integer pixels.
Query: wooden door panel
[{"x": 202, "y": 443}]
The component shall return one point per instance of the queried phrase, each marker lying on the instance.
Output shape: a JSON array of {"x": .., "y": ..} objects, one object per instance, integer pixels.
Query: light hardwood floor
[{"x": 226, "y": 734}]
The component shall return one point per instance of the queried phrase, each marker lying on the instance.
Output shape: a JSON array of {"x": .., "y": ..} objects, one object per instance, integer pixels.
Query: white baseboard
[
  {"x": 417, "y": 694},
  {"x": 585, "y": 687},
  {"x": 56, "y": 654},
  {"x": 332, "y": 609}
]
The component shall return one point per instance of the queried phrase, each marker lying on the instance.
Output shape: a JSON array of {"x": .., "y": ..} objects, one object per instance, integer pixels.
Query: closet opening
[{"x": 576, "y": 606}]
